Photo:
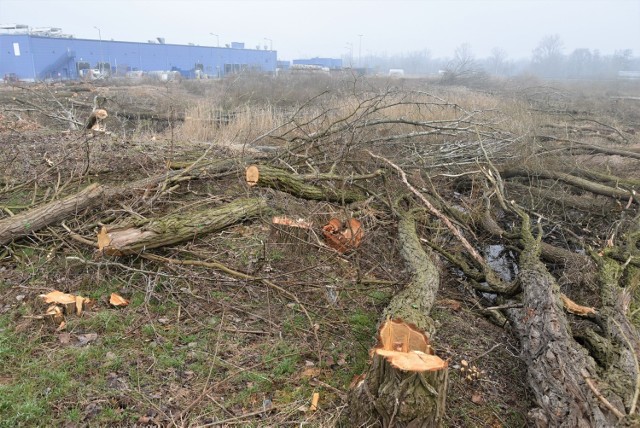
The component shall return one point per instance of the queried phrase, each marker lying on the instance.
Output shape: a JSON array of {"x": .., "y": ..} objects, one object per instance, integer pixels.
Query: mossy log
[
  {"x": 559, "y": 369},
  {"x": 581, "y": 183},
  {"x": 391, "y": 394},
  {"x": 266, "y": 176},
  {"x": 45, "y": 215},
  {"x": 175, "y": 228}
]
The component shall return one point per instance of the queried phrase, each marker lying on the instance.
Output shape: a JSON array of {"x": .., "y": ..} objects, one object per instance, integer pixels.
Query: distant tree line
[{"x": 548, "y": 60}]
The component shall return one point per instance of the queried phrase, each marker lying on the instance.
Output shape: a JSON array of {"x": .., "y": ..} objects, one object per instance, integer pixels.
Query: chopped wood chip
[
  {"x": 314, "y": 401},
  {"x": 117, "y": 300},
  {"x": 343, "y": 238},
  {"x": 54, "y": 313},
  {"x": 58, "y": 298},
  {"x": 576, "y": 309},
  {"x": 287, "y": 221}
]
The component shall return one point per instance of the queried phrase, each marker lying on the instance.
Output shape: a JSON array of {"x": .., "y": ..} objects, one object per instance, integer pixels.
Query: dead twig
[
  {"x": 601, "y": 397},
  {"x": 403, "y": 175},
  {"x": 241, "y": 275}
]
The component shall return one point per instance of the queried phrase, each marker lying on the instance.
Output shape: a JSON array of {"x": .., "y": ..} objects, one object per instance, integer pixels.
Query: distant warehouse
[{"x": 34, "y": 56}]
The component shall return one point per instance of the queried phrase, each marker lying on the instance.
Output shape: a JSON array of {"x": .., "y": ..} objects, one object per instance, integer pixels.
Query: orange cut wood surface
[
  {"x": 58, "y": 298},
  {"x": 412, "y": 361},
  {"x": 406, "y": 348},
  {"x": 343, "y": 238},
  {"x": 575, "y": 308},
  {"x": 287, "y": 221},
  {"x": 252, "y": 174},
  {"x": 117, "y": 300}
]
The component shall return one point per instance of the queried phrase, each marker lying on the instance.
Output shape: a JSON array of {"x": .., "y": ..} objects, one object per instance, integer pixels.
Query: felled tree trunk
[
  {"x": 265, "y": 176},
  {"x": 558, "y": 368},
  {"x": 581, "y": 183},
  {"x": 175, "y": 228},
  {"x": 405, "y": 385},
  {"x": 37, "y": 218}
]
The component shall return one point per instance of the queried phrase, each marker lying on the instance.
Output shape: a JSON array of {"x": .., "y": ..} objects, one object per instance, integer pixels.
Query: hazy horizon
[{"x": 304, "y": 29}]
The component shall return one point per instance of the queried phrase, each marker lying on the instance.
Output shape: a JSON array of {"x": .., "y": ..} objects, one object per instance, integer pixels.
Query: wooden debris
[
  {"x": 54, "y": 313},
  {"x": 68, "y": 303},
  {"x": 287, "y": 221},
  {"x": 296, "y": 185},
  {"x": 314, "y": 401},
  {"x": 44, "y": 215},
  {"x": 343, "y": 237},
  {"x": 175, "y": 228},
  {"x": 576, "y": 309},
  {"x": 117, "y": 300}
]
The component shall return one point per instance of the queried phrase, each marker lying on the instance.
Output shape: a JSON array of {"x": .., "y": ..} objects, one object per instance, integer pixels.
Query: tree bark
[
  {"x": 581, "y": 183},
  {"x": 387, "y": 396},
  {"x": 557, "y": 366},
  {"x": 265, "y": 176},
  {"x": 175, "y": 228},
  {"x": 37, "y": 218}
]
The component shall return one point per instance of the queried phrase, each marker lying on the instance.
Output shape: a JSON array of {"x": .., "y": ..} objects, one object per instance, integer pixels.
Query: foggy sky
[{"x": 305, "y": 28}]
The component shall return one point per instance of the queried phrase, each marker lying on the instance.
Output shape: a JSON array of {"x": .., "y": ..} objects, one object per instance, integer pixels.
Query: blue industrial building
[
  {"x": 33, "y": 57},
  {"x": 330, "y": 63}
]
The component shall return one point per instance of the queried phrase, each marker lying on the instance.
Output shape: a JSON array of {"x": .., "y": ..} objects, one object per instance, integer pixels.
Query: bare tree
[
  {"x": 463, "y": 66},
  {"x": 497, "y": 61},
  {"x": 548, "y": 57}
]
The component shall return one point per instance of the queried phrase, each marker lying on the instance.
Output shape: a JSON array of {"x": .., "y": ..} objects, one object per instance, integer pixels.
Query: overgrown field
[{"x": 240, "y": 325}]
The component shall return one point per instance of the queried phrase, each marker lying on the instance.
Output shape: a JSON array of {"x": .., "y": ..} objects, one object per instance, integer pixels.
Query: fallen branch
[
  {"x": 240, "y": 275},
  {"x": 601, "y": 397},
  {"x": 433, "y": 210},
  {"x": 581, "y": 183},
  {"x": 265, "y": 176},
  {"x": 30, "y": 221},
  {"x": 175, "y": 228}
]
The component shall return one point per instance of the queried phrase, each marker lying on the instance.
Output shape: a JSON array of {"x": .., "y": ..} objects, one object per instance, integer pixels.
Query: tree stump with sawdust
[{"x": 406, "y": 384}]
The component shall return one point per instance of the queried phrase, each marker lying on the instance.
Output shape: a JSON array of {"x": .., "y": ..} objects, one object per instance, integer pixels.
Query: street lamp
[
  {"x": 100, "y": 43},
  {"x": 270, "y": 43},
  {"x": 217, "y": 38},
  {"x": 350, "y": 47},
  {"x": 360, "y": 51}
]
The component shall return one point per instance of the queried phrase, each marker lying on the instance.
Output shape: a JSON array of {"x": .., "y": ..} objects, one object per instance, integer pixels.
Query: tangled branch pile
[{"x": 528, "y": 209}]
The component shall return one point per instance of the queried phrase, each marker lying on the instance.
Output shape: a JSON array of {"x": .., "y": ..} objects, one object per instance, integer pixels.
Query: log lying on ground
[
  {"x": 557, "y": 366},
  {"x": 266, "y": 176},
  {"x": 581, "y": 183},
  {"x": 32, "y": 220},
  {"x": 37, "y": 218},
  {"x": 591, "y": 148},
  {"x": 406, "y": 385},
  {"x": 175, "y": 228}
]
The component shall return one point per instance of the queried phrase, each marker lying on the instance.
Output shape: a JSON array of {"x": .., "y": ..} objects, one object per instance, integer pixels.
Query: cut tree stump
[
  {"x": 175, "y": 228},
  {"x": 266, "y": 176},
  {"x": 406, "y": 384}
]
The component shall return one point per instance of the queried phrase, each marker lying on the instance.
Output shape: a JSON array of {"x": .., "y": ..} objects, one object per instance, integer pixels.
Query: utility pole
[
  {"x": 360, "y": 51},
  {"x": 101, "y": 56}
]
